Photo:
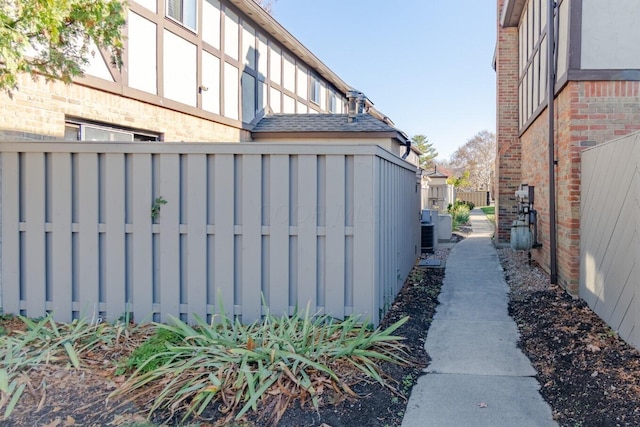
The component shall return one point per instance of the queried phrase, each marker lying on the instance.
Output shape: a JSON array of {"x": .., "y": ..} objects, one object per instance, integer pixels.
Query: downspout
[
  {"x": 551, "y": 79},
  {"x": 406, "y": 153}
]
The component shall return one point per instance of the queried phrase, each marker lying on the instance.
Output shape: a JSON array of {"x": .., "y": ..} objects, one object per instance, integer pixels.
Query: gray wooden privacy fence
[
  {"x": 246, "y": 227},
  {"x": 609, "y": 234},
  {"x": 478, "y": 198}
]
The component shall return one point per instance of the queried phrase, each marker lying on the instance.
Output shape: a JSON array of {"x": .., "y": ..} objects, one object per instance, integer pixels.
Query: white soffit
[{"x": 511, "y": 12}]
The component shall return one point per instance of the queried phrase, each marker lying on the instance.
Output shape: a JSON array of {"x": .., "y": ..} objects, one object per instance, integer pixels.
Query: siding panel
[{"x": 609, "y": 246}]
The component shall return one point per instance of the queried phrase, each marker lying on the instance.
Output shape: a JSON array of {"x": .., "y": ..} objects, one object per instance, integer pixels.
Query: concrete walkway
[{"x": 477, "y": 376}]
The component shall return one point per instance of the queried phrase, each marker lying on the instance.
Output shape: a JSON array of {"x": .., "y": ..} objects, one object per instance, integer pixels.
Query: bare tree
[{"x": 477, "y": 157}]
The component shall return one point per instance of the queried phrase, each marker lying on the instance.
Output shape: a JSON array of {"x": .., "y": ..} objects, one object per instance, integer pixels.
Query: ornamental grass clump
[
  {"x": 269, "y": 363},
  {"x": 460, "y": 213},
  {"x": 46, "y": 342}
]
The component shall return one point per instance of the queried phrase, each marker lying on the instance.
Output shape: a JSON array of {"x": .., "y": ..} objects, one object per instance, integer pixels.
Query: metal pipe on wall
[{"x": 551, "y": 79}]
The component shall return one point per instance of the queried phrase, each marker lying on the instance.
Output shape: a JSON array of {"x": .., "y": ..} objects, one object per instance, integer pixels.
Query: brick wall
[
  {"x": 38, "y": 110},
  {"x": 507, "y": 165},
  {"x": 595, "y": 111}
]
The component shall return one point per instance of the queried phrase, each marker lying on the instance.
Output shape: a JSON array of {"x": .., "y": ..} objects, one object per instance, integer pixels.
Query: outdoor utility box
[
  {"x": 521, "y": 237},
  {"x": 444, "y": 229},
  {"x": 428, "y": 235},
  {"x": 427, "y": 238}
]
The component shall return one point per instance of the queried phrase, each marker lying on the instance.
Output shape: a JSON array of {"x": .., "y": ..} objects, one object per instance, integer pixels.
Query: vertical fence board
[
  {"x": 251, "y": 238},
  {"x": 365, "y": 282},
  {"x": 142, "y": 262},
  {"x": 10, "y": 245},
  {"x": 307, "y": 231},
  {"x": 224, "y": 238},
  {"x": 197, "y": 237},
  {"x": 88, "y": 278},
  {"x": 115, "y": 282},
  {"x": 278, "y": 297},
  {"x": 169, "y": 280},
  {"x": 61, "y": 257},
  {"x": 335, "y": 236},
  {"x": 35, "y": 271}
]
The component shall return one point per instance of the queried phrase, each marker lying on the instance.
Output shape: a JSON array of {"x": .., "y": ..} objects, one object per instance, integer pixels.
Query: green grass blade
[{"x": 14, "y": 400}]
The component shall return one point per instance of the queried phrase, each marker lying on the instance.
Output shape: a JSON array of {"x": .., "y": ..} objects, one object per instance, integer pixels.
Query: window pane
[
  {"x": 190, "y": 13},
  {"x": 71, "y": 132},
  {"x": 174, "y": 9},
  {"x": 94, "y": 133},
  {"x": 315, "y": 90}
]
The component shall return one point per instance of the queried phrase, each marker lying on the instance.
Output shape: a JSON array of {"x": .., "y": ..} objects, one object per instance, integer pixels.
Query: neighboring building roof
[
  {"x": 442, "y": 173},
  {"x": 309, "y": 124}
]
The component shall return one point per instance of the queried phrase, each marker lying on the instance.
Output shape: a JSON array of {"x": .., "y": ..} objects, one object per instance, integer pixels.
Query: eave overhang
[
  {"x": 279, "y": 33},
  {"x": 511, "y": 12}
]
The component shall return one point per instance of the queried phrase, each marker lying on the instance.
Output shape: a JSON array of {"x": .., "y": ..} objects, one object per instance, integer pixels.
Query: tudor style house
[
  {"x": 596, "y": 94},
  {"x": 298, "y": 205},
  {"x": 194, "y": 70}
]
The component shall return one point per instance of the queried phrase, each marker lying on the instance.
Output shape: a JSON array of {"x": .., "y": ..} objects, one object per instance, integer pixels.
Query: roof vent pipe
[{"x": 355, "y": 104}]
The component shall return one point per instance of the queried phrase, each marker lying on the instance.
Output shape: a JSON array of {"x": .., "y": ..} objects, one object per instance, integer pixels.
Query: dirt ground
[
  {"x": 587, "y": 374},
  {"x": 63, "y": 398}
]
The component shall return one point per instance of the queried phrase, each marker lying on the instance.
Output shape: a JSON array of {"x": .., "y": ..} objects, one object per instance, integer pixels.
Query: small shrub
[
  {"x": 242, "y": 366},
  {"x": 459, "y": 213},
  {"x": 152, "y": 353}
]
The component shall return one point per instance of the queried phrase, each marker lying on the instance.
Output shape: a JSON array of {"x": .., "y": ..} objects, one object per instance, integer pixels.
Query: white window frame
[
  {"x": 116, "y": 133},
  {"x": 314, "y": 90},
  {"x": 181, "y": 18}
]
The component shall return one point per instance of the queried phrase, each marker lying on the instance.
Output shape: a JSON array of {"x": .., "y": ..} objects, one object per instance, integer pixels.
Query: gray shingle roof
[{"x": 305, "y": 123}]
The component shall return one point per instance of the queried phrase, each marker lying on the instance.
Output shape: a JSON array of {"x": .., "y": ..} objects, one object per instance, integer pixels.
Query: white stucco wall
[{"x": 610, "y": 36}]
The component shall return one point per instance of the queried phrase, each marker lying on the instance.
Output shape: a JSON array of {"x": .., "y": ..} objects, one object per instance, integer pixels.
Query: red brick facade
[
  {"x": 507, "y": 142},
  {"x": 586, "y": 112},
  {"x": 596, "y": 111}
]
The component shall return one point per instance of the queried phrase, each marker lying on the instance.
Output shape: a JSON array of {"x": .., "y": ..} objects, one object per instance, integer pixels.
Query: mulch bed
[
  {"x": 77, "y": 397},
  {"x": 379, "y": 405},
  {"x": 588, "y": 375}
]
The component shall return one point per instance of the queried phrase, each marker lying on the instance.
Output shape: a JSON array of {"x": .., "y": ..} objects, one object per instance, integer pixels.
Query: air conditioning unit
[{"x": 427, "y": 238}]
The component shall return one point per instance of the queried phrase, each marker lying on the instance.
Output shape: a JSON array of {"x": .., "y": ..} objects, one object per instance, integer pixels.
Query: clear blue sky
[{"x": 426, "y": 64}]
